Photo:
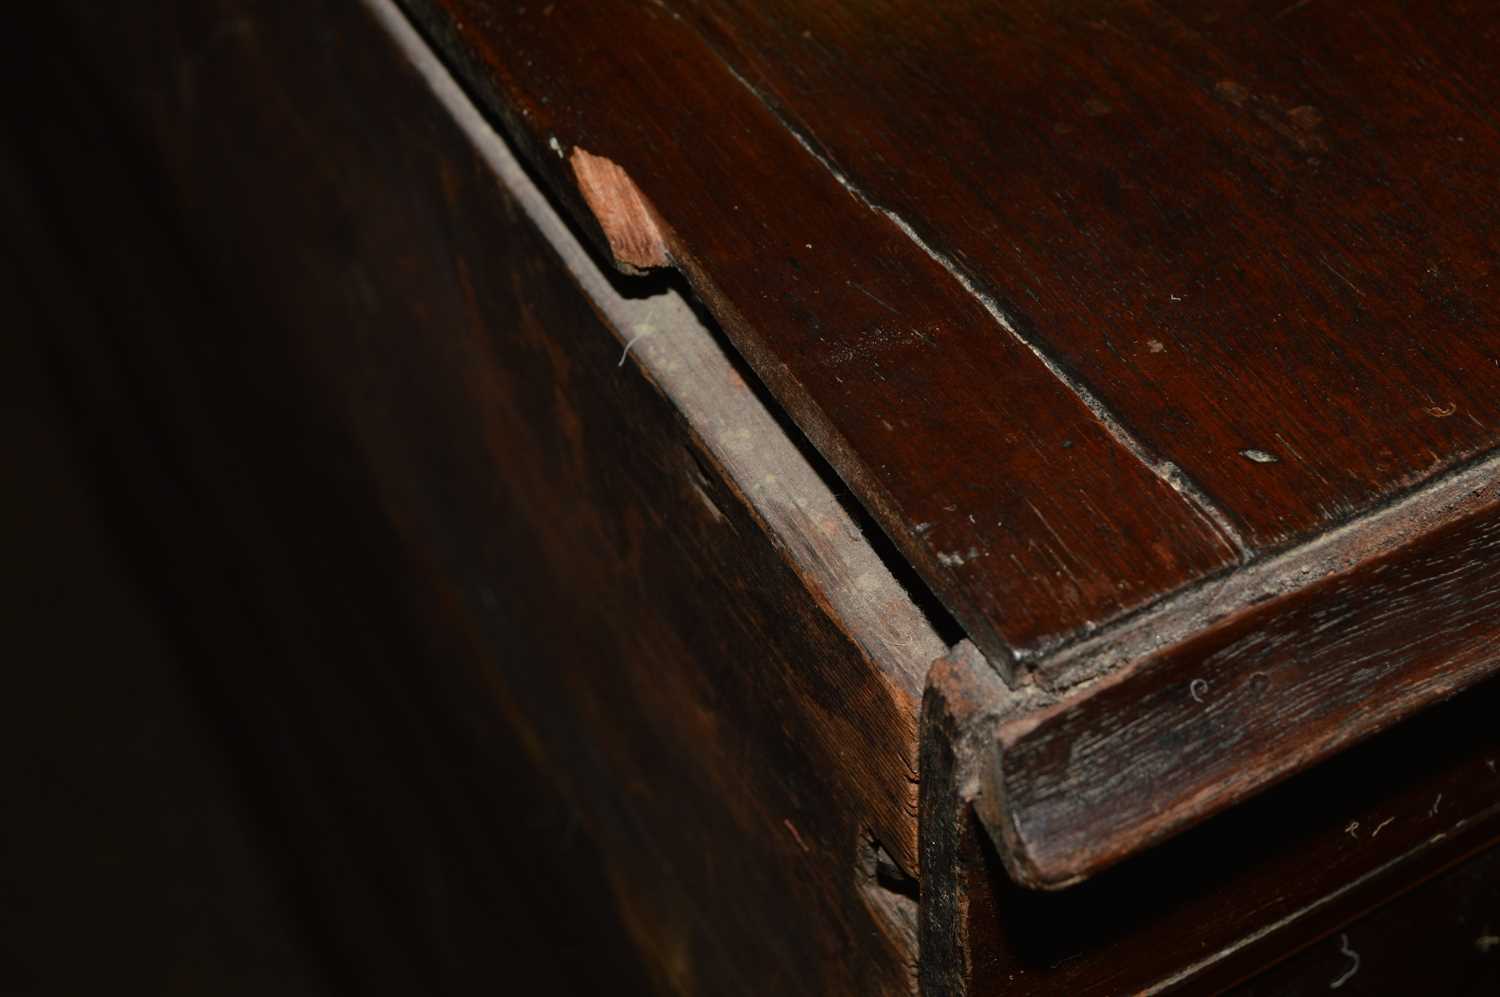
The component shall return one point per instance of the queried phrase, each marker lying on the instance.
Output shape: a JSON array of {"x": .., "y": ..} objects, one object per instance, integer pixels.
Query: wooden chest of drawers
[{"x": 893, "y": 471}]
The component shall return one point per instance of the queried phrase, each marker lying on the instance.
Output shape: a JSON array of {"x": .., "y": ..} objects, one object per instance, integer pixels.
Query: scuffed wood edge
[
  {"x": 1280, "y": 713},
  {"x": 962, "y": 709},
  {"x": 1113, "y": 651},
  {"x": 662, "y": 338},
  {"x": 1145, "y": 645}
]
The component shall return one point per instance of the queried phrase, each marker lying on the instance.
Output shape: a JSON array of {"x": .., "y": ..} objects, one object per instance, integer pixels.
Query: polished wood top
[{"x": 1088, "y": 302}]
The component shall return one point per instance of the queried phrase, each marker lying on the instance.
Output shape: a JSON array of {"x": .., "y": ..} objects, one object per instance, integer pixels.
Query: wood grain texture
[
  {"x": 1438, "y": 939},
  {"x": 1224, "y": 900},
  {"x": 1261, "y": 235},
  {"x": 1248, "y": 246},
  {"x": 1154, "y": 748},
  {"x": 537, "y": 498},
  {"x": 582, "y": 574},
  {"x": 1019, "y": 507},
  {"x": 1156, "y": 212}
]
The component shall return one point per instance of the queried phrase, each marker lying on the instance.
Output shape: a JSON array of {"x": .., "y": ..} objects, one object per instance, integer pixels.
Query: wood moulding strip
[
  {"x": 1325, "y": 648},
  {"x": 1448, "y": 498}
]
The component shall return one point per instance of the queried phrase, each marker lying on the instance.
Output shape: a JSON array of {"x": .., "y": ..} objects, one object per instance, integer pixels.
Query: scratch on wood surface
[
  {"x": 1420, "y": 511},
  {"x": 870, "y": 294},
  {"x": 1352, "y": 286},
  {"x": 1165, "y": 470}
]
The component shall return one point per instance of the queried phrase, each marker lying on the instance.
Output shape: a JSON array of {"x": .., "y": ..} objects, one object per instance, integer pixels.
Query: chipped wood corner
[{"x": 628, "y": 221}]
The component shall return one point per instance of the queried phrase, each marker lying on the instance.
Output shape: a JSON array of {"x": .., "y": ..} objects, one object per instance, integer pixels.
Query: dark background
[{"x": 225, "y": 770}]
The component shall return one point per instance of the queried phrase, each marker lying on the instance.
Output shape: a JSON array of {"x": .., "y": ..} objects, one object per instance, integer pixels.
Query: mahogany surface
[
  {"x": 1018, "y": 506},
  {"x": 1201, "y": 726},
  {"x": 1104, "y": 310},
  {"x": 1244, "y": 227},
  {"x": 1251, "y": 243}
]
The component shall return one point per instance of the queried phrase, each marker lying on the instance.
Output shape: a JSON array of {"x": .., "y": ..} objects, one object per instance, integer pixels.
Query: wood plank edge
[
  {"x": 663, "y": 338},
  {"x": 1426, "y": 507},
  {"x": 1209, "y": 722}
]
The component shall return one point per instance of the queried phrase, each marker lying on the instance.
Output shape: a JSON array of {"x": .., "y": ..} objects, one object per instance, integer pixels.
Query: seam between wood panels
[
  {"x": 675, "y": 351},
  {"x": 1167, "y": 471}
]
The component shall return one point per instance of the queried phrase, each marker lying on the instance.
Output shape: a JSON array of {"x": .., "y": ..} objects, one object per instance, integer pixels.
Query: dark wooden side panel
[
  {"x": 1222, "y": 901},
  {"x": 586, "y": 579},
  {"x": 283, "y": 613},
  {"x": 1199, "y": 727}
]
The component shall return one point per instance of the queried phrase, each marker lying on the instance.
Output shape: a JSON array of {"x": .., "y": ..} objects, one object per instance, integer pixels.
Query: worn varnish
[
  {"x": 1023, "y": 511},
  {"x": 1249, "y": 252},
  {"x": 1261, "y": 235},
  {"x": 1247, "y": 244},
  {"x": 1225, "y": 899},
  {"x": 1079, "y": 785}
]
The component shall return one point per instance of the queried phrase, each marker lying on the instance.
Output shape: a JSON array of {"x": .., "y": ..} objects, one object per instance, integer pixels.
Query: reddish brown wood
[
  {"x": 1157, "y": 747},
  {"x": 1080, "y": 470},
  {"x": 1247, "y": 237},
  {"x": 1016, "y": 504},
  {"x": 1261, "y": 234},
  {"x": 1206, "y": 231}
]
